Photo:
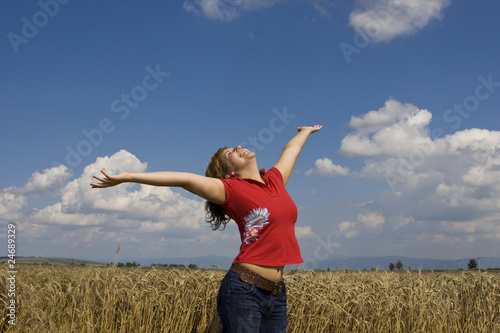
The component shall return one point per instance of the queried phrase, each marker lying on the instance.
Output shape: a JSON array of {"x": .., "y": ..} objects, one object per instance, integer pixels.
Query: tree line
[{"x": 471, "y": 265}]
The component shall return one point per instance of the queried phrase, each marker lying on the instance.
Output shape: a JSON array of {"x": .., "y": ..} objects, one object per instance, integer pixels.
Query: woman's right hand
[{"x": 107, "y": 181}]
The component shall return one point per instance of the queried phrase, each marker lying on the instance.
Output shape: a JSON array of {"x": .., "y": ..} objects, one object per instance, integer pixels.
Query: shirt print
[{"x": 254, "y": 223}]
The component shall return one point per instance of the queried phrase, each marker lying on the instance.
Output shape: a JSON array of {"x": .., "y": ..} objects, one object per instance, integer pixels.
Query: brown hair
[{"x": 216, "y": 168}]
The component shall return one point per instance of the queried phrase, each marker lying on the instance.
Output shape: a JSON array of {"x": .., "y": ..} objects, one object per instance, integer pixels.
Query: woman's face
[{"x": 238, "y": 158}]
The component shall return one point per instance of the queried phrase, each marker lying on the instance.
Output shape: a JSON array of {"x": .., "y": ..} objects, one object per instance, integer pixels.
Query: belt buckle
[{"x": 278, "y": 288}]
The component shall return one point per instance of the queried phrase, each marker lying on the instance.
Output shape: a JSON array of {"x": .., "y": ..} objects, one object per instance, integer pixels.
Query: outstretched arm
[
  {"x": 292, "y": 150},
  {"x": 211, "y": 189}
]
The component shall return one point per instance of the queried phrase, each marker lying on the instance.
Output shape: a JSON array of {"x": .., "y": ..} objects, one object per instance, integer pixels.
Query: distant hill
[
  {"x": 382, "y": 263},
  {"x": 53, "y": 261},
  {"x": 333, "y": 263},
  {"x": 202, "y": 262}
]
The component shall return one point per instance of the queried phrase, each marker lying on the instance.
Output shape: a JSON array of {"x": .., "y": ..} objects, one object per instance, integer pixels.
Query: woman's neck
[{"x": 253, "y": 173}]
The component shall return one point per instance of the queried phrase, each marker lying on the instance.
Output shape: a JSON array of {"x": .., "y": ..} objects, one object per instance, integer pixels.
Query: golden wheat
[{"x": 97, "y": 299}]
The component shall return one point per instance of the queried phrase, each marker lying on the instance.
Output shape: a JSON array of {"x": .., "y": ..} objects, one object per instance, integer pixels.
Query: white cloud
[
  {"x": 152, "y": 208},
  {"x": 440, "y": 186},
  {"x": 33, "y": 230},
  {"x": 371, "y": 220},
  {"x": 325, "y": 168},
  {"x": 226, "y": 10},
  {"x": 11, "y": 205},
  {"x": 443, "y": 239},
  {"x": 365, "y": 224},
  {"x": 48, "y": 181},
  {"x": 382, "y": 20},
  {"x": 14, "y": 200},
  {"x": 55, "y": 214},
  {"x": 393, "y": 130},
  {"x": 443, "y": 190},
  {"x": 304, "y": 232},
  {"x": 83, "y": 216},
  {"x": 348, "y": 229}
]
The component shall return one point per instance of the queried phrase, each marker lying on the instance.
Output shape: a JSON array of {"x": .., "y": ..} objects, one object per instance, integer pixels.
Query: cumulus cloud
[
  {"x": 325, "y": 168},
  {"x": 347, "y": 229},
  {"x": 365, "y": 223},
  {"x": 226, "y": 10},
  {"x": 11, "y": 205},
  {"x": 148, "y": 208},
  {"x": 371, "y": 220},
  {"x": 46, "y": 182},
  {"x": 55, "y": 214},
  {"x": 449, "y": 184},
  {"x": 14, "y": 200},
  {"x": 394, "y": 129},
  {"x": 82, "y": 216},
  {"x": 304, "y": 232},
  {"x": 382, "y": 20}
]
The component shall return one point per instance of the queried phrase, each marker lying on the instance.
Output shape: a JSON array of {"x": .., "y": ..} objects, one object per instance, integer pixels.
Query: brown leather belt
[{"x": 250, "y": 277}]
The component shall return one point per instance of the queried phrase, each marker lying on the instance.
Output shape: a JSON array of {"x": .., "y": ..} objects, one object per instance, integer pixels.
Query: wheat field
[{"x": 110, "y": 299}]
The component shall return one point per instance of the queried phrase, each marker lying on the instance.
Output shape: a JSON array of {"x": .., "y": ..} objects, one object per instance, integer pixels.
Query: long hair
[{"x": 216, "y": 168}]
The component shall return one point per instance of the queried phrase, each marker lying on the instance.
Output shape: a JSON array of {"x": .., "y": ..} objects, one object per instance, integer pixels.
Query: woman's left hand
[{"x": 313, "y": 129}]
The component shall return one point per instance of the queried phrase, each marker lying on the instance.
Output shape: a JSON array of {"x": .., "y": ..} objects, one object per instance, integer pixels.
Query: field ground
[{"x": 108, "y": 299}]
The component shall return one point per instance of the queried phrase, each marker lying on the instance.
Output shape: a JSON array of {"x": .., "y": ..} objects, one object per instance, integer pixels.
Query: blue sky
[{"x": 408, "y": 92}]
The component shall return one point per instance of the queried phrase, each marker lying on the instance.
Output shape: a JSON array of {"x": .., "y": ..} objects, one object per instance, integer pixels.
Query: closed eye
[{"x": 231, "y": 151}]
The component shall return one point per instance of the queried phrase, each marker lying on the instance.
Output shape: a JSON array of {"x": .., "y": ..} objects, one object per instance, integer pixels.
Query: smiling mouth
[{"x": 244, "y": 151}]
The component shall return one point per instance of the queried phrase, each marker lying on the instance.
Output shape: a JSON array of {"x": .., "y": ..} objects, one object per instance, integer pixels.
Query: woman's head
[{"x": 227, "y": 161}]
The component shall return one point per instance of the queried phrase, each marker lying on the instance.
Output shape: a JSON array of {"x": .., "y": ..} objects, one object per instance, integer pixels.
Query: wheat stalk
[{"x": 117, "y": 250}]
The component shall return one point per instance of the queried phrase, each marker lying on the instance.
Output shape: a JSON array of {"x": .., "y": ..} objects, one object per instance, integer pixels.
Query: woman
[{"x": 252, "y": 296}]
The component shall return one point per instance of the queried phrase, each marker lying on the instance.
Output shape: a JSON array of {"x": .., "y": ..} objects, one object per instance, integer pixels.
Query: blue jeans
[{"x": 244, "y": 308}]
